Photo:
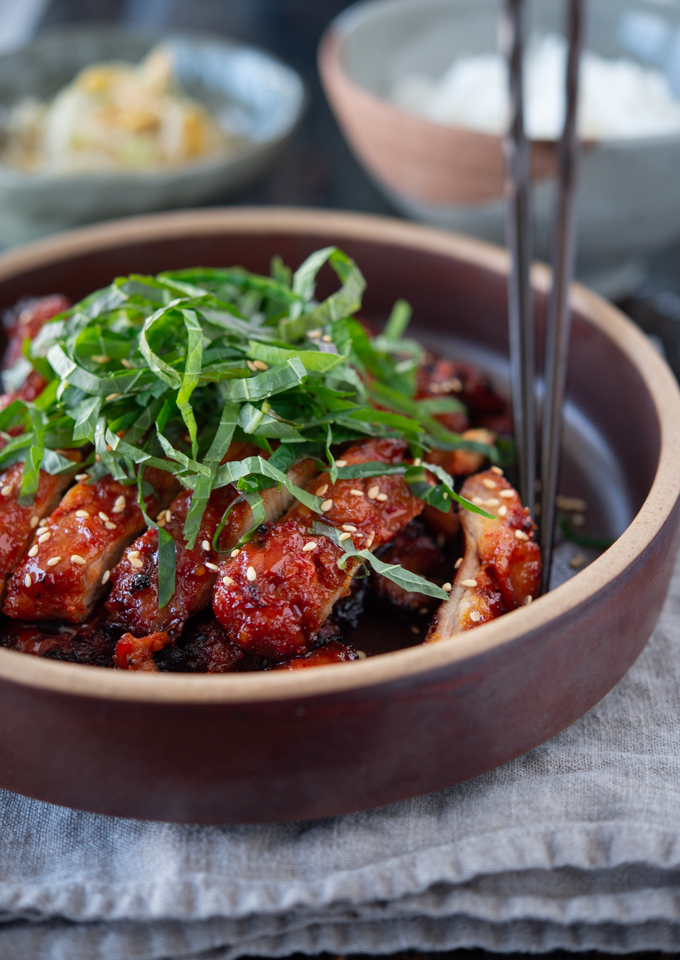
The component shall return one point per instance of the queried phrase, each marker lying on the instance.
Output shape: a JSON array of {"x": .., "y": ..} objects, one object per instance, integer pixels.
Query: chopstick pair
[{"x": 521, "y": 324}]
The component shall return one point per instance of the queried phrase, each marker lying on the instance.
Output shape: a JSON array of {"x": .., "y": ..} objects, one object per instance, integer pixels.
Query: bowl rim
[
  {"x": 95, "y": 682},
  {"x": 361, "y": 12},
  {"x": 12, "y": 178}
]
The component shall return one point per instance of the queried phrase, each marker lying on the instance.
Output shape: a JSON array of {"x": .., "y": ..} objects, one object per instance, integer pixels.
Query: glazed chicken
[
  {"x": 501, "y": 567},
  {"x": 276, "y": 594},
  {"x": 133, "y": 602},
  {"x": 280, "y": 601},
  {"x": 18, "y": 523},
  {"x": 67, "y": 568}
]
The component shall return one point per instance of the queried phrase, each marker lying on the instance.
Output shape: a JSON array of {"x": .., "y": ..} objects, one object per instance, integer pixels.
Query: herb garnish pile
[{"x": 166, "y": 371}]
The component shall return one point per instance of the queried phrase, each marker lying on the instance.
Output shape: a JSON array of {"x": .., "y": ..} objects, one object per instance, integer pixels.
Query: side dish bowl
[
  {"x": 251, "y": 93},
  {"x": 295, "y": 745}
]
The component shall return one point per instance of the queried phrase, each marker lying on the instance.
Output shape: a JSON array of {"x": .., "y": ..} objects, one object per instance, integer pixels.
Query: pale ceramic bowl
[
  {"x": 250, "y": 91},
  {"x": 452, "y": 177}
]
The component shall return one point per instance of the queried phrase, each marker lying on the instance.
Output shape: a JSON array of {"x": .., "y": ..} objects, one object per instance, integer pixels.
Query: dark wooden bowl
[{"x": 287, "y": 746}]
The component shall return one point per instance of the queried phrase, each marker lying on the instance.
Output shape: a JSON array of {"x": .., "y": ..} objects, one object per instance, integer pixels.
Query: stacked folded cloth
[{"x": 574, "y": 846}]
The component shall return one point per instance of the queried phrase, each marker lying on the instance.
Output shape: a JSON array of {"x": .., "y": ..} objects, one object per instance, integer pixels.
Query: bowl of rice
[{"x": 419, "y": 89}]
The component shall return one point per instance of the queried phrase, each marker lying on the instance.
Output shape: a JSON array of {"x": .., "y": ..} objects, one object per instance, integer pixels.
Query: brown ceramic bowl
[{"x": 284, "y": 746}]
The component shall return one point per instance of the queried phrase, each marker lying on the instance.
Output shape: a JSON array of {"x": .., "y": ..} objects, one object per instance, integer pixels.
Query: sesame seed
[
  {"x": 82, "y": 476},
  {"x": 126, "y": 363},
  {"x": 492, "y": 502},
  {"x": 497, "y": 471},
  {"x": 340, "y": 463},
  {"x": 423, "y": 611},
  {"x": 507, "y": 494},
  {"x": 361, "y": 654},
  {"x": 469, "y": 583},
  {"x": 234, "y": 553},
  {"x": 135, "y": 562},
  {"x": 75, "y": 558},
  {"x": 314, "y": 334},
  {"x": 371, "y": 538},
  {"x": 103, "y": 516},
  {"x": 345, "y": 536},
  {"x": 227, "y": 581},
  {"x": 521, "y": 535},
  {"x": 373, "y": 492},
  {"x": 349, "y": 527},
  {"x": 34, "y": 522},
  {"x": 113, "y": 396},
  {"x": 44, "y": 537},
  {"x": 415, "y": 629},
  {"x": 205, "y": 545},
  {"x": 478, "y": 502},
  {"x": 445, "y": 495},
  {"x": 327, "y": 339},
  {"x": 6, "y": 490},
  {"x": 260, "y": 365},
  {"x": 502, "y": 511},
  {"x": 199, "y": 571},
  {"x": 27, "y": 580},
  {"x": 326, "y": 506},
  {"x": 417, "y": 462},
  {"x": 101, "y": 359},
  {"x": 119, "y": 505},
  {"x": 382, "y": 497},
  {"x": 251, "y": 365},
  {"x": 447, "y": 587},
  {"x": 577, "y": 561},
  {"x": 105, "y": 578},
  {"x": 43, "y": 522},
  {"x": 528, "y": 600},
  {"x": 322, "y": 489},
  {"x": 133, "y": 553},
  {"x": 251, "y": 574},
  {"x": 33, "y": 552},
  {"x": 356, "y": 493},
  {"x": 458, "y": 563},
  {"x": 310, "y": 545},
  {"x": 52, "y": 561},
  {"x": 82, "y": 513},
  {"x": 212, "y": 566},
  {"x": 578, "y": 520},
  {"x": 489, "y": 484},
  {"x": 109, "y": 525},
  {"x": 475, "y": 616}
]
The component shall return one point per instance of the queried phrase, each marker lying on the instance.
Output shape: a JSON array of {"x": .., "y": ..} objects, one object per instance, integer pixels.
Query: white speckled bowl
[{"x": 258, "y": 97}]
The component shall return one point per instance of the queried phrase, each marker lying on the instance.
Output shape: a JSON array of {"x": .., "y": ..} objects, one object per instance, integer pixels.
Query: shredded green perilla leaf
[{"x": 167, "y": 371}]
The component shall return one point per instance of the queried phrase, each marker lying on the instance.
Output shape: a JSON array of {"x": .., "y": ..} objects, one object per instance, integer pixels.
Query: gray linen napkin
[{"x": 574, "y": 846}]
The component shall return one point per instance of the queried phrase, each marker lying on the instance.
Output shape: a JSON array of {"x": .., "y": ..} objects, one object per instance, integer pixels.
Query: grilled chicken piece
[
  {"x": 204, "y": 647},
  {"x": 26, "y": 320},
  {"x": 415, "y": 550},
  {"x": 77, "y": 547},
  {"x": 461, "y": 463},
  {"x": 91, "y": 642},
  {"x": 18, "y": 523},
  {"x": 133, "y": 603},
  {"x": 466, "y": 382},
  {"x": 136, "y": 653},
  {"x": 331, "y": 653},
  {"x": 275, "y": 595},
  {"x": 501, "y": 569}
]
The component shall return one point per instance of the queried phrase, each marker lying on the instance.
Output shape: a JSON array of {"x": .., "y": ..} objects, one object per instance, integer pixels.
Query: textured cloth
[{"x": 576, "y": 846}]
